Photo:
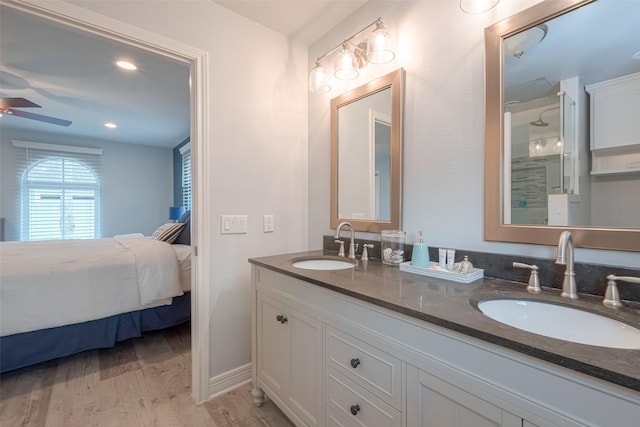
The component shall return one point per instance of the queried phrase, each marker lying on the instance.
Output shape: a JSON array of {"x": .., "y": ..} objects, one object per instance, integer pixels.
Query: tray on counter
[{"x": 434, "y": 270}]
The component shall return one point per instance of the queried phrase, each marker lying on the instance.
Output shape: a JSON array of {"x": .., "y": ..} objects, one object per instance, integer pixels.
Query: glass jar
[{"x": 392, "y": 245}]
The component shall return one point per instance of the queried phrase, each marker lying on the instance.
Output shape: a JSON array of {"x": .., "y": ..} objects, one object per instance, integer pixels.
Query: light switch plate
[
  {"x": 233, "y": 224},
  {"x": 267, "y": 223}
]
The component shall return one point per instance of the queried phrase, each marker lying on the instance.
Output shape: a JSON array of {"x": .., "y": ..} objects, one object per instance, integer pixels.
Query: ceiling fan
[{"x": 7, "y": 106}]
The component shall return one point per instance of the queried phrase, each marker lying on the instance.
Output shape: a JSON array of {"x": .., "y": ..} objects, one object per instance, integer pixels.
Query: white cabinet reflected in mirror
[
  {"x": 562, "y": 139},
  {"x": 366, "y": 155}
]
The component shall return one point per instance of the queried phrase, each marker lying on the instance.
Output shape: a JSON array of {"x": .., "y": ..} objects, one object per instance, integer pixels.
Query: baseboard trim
[{"x": 227, "y": 381}]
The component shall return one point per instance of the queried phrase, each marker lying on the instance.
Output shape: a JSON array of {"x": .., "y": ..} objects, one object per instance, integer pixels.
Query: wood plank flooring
[{"x": 141, "y": 382}]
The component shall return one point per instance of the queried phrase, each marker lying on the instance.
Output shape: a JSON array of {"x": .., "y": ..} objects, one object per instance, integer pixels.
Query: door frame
[{"x": 198, "y": 61}]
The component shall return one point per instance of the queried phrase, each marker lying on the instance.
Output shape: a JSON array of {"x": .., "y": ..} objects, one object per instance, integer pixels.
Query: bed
[{"x": 62, "y": 297}]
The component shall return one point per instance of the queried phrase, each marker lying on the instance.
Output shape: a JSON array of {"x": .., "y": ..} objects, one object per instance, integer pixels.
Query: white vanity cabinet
[
  {"x": 363, "y": 383},
  {"x": 289, "y": 357},
  {"x": 341, "y": 361},
  {"x": 432, "y": 402}
]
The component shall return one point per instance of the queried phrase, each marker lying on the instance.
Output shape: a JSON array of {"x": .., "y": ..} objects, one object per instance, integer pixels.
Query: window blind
[
  {"x": 186, "y": 176},
  {"x": 59, "y": 192}
]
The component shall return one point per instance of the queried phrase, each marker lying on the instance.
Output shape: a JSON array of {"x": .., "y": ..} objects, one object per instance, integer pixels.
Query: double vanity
[{"x": 342, "y": 342}]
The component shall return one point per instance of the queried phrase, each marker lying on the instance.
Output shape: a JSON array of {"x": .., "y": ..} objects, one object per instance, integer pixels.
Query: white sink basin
[
  {"x": 323, "y": 264},
  {"x": 562, "y": 322}
]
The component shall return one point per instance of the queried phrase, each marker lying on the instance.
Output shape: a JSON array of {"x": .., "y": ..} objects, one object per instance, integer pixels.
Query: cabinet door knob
[
  {"x": 355, "y": 363},
  {"x": 284, "y": 320},
  {"x": 355, "y": 409},
  {"x": 279, "y": 318}
]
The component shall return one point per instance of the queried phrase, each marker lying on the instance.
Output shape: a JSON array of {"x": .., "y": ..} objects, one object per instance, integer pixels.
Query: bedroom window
[
  {"x": 185, "y": 152},
  {"x": 60, "y": 193}
]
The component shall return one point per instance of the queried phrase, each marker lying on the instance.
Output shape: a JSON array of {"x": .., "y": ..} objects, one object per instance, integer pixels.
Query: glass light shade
[
  {"x": 477, "y": 6},
  {"x": 345, "y": 67},
  {"x": 318, "y": 80},
  {"x": 524, "y": 41},
  {"x": 380, "y": 48}
]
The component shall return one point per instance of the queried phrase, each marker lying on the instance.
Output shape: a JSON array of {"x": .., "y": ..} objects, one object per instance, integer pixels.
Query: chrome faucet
[
  {"x": 565, "y": 257},
  {"x": 352, "y": 244}
]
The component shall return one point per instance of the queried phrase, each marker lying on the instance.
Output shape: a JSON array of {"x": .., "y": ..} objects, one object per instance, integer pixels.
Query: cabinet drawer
[
  {"x": 351, "y": 402},
  {"x": 377, "y": 371}
]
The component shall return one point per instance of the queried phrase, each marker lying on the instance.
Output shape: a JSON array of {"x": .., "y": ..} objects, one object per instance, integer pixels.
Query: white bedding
[
  {"x": 183, "y": 253},
  {"x": 46, "y": 284}
]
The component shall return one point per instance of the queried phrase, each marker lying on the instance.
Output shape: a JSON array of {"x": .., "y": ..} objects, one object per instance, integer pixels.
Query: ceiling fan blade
[
  {"x": 40, "y": 118},
  {"x": 17, "y": 103}
]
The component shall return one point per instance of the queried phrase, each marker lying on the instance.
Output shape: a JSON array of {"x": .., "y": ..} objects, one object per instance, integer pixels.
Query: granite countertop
[{"x": 452, "y": 305}]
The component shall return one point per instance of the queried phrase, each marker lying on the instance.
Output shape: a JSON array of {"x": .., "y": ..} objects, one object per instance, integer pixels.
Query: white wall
[
  {"x": 442, "y": 51},
  {"x": 137, "y": 183},
  {"x": 258, "y": 148}
]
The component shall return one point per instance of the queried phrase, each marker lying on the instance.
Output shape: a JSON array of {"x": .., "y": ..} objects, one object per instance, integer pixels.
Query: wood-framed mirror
[
  {"x": 366, "y": 155},
  {"x": 543, "y": 68}
]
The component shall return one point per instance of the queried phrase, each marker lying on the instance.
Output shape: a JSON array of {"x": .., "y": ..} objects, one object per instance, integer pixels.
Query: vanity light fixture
[
  {"x": 110, "y": 125},
  {"x": 376, "y": 49},
  {"x": 380, "y": 50},
  {"x": 346, "y": 65},
  {"x": 126, "y": 65},
  {"x": 318, "y": 79},
  {"x": 477, "y": 6}
]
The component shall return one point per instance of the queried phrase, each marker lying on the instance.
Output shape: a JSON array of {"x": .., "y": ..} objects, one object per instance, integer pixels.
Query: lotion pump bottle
[{"x": 420, "y": 255}]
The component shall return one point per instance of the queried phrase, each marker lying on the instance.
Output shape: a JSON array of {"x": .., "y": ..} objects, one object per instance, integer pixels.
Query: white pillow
[
  {"x": 129, "y": 235},
  {"x": 168, "y": 232}
]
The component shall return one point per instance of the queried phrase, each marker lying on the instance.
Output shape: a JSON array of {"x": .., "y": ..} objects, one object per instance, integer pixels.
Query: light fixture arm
[{"x": 378, "y": 23}]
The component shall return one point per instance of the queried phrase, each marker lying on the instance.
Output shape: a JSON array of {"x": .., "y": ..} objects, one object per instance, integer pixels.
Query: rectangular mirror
[
  {"x": 366, "y": 155},
  {"x": 562, "y": 136}
]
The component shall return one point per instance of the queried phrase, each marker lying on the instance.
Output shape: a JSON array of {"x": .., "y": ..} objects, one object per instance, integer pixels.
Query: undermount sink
[
  {"x": 323, "y": 263},
  {"x": 561, "y": 322}
]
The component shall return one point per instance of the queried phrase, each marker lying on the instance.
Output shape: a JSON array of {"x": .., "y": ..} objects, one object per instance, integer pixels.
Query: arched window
[{"x": 60, "y": 200}]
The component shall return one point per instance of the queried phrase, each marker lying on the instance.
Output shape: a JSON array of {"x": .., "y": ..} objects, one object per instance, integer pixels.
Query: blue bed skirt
[{"x": 20, "y": 350}]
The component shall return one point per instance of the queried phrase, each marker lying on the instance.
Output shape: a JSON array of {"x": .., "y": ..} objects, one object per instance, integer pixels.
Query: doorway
[{"x": 102, "y": 26}]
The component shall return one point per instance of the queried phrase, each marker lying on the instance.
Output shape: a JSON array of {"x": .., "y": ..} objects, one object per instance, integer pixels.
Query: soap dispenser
[{"x": 420, "y": 254}]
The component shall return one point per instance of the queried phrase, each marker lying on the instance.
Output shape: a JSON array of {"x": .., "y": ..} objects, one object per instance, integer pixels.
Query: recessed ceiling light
[
  {"x": 636, "y": 55},
  {"x": 110, "y": 125},
  {"x": 125, "y": 65}
]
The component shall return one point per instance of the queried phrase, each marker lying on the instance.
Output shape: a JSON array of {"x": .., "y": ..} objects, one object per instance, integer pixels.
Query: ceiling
[
  {"x": 302, "y": 20},
  {"x": 73, "y": 75}
]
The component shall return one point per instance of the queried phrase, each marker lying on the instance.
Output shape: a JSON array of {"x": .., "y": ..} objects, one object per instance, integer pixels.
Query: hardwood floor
[{"x": 140, "y": 382}]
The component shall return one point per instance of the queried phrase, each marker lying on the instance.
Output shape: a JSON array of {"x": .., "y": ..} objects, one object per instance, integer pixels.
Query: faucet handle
[
  {"x": 341, "y": 251},
  {"x": 611, "y": 296},
  {"x": 534, "y": 280},
  {"x": 365, "y": 253}
]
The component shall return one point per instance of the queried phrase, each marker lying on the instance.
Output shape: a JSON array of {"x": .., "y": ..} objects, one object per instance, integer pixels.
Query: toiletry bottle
[
  {"x": 420, "y": 255},
  {"x": 451, "y": 257},
  {"x": 442, "y": 258}
]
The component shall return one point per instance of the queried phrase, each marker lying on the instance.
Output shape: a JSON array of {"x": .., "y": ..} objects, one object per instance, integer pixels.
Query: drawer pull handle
[
  {"x": 355, "y": 363},
  {"x": 355, "y": 409},
  {"x": 281, "y": 318}
]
